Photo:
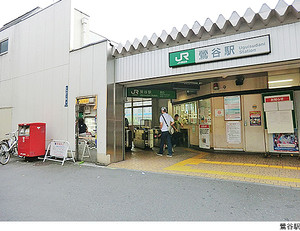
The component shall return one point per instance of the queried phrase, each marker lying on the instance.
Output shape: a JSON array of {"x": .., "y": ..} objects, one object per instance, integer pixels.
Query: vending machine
[{"x": 31, "y": 139}]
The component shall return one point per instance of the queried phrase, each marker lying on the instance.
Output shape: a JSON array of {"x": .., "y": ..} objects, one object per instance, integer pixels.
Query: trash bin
[{"x": 31, "y": 139}]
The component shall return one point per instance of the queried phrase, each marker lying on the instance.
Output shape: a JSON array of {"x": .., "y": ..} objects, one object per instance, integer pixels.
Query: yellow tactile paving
[{"x": 241, "y": 167}]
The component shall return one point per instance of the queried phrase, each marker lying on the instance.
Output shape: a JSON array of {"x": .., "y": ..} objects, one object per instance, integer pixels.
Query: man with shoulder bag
[{"x": 166, "y": 125}]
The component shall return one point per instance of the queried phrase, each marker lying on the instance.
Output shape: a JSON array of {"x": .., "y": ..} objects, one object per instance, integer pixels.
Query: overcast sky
[{"x": 122, "y": 20}]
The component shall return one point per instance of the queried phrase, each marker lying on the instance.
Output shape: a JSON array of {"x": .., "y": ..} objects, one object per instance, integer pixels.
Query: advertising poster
[
  {"x": 232, "y": 106},
  {"x": 255, "y": 118},
  {"x": 285, "y": 142},
  {"x": 233, "y": 131},
  {"x": 204, "y": 136}
]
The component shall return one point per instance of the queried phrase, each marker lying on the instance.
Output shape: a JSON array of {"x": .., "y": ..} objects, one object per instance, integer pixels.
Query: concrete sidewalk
[{"x": 282, "y": 171}]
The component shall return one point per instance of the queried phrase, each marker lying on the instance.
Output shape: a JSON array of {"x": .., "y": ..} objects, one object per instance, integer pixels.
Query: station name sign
[
  {"x": 148, "y": 93},
  {"x": 229, "y": 50}
]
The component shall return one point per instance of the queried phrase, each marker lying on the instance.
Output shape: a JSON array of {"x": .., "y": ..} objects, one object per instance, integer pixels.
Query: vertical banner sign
[
  {"x": 67, "y": 96},
  {"x": 204, "y": 136}
]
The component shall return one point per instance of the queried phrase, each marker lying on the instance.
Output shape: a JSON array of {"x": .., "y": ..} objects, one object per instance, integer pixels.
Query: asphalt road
[{"x": 36, "y": 191}]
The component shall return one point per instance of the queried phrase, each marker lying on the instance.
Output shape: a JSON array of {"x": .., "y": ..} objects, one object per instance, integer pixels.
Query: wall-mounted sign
[
  {"x": 143, "y": 93},
  {"x": 232, "y": 106},
  {"x": 219, "y": 112},
  {"x": 204, "y": 136},
  {"x": 279, "y": 111},
  {"x": 255, "y": 118},
  {"x": 285, "y": 142},
  {"x": 83, "y": 101},
  {"x": 233, "y": 132},
  {"x": 229, "y": 50},
  {"x": 67, "y": 96}
]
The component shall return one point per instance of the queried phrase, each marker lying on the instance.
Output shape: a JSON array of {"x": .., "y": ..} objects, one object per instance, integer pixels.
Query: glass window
[
  {"x": 146, "y": 103},
  {"x": 147, "y": 113},
  {"x": 128, "y": 115},
  {"x": 205, "y": 111},
  {"x": 137, "y": 115},
  {"x": 141, "y": 109},
  {"x": 135, "y": 104},
  {"x": 187, "y": 112},
  {"x": 3, "y": 46},
  {"x": 127, "y": 104}
]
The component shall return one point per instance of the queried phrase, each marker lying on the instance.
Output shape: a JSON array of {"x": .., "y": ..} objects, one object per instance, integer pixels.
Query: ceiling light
[{"x": 281, "y": 81}]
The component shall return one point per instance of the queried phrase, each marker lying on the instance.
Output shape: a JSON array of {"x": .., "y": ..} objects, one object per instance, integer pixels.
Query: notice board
[
  {"x": 233, "y": 132},
  {"x": 232, "y": 106},
  {"x": 279, "y": 112}
]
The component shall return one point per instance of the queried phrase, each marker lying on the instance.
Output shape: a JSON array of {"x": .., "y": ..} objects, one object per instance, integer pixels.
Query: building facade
[{"x": 236, "y": 81}]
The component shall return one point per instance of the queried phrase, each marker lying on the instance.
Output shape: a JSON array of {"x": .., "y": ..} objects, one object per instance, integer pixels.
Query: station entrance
[
  {"x": 217, "y": 114},
  {"x": 142, "y": 110}
]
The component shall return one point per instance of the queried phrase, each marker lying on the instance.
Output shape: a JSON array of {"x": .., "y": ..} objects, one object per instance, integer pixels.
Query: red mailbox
[{"x": 32, "y": 138}]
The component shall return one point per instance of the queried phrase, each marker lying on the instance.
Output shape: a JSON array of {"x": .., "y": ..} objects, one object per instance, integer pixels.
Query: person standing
[
  {"x": 166, "y": 121},
  {"x": 82, "y": 127},
  {"x": 177, "y": 134}
]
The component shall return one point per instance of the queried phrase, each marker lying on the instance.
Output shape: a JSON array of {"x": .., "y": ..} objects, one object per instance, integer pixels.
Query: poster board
[
  {"x": 286, "y": 142},
  {"x": 279, "y": 112},
  {"x": 204, "y": 136},
  {"x": 233, "y": 132},
  {"x": 58, "y": 151},
  {"x": 232, "y": 107},
  {"x": 280, "y": 122}
]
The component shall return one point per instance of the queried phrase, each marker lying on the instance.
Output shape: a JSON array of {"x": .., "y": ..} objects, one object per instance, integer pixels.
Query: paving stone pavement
[{"x": 274, "y": 170}]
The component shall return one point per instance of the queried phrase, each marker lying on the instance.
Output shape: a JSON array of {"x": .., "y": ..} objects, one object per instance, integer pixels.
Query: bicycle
[{"x": 8, "y": 147}]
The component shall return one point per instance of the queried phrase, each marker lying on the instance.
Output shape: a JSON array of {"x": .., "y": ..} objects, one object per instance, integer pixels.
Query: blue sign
[{"x": 67, "y": 96}]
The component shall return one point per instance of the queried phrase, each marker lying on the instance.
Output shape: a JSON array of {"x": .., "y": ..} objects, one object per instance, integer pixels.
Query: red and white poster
[
  {"x": 204, "y": 136},
  {"x": 255, "y": 118}
]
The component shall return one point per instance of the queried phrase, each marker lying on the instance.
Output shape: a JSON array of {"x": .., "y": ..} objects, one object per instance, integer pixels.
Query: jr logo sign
[
  {"x": 182, "y": 58},
  {"x": 184, "y": 55}
]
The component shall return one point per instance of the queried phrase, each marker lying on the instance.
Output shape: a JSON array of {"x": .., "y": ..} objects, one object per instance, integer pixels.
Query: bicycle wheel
[{"x": 4, "y": 154}]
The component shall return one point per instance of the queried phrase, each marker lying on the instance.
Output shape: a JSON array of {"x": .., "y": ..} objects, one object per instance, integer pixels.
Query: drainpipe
[{"x": 85, "y": 31}]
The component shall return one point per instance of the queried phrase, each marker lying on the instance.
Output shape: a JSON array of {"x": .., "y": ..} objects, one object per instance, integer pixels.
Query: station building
[{"x": 234, "y": 83}]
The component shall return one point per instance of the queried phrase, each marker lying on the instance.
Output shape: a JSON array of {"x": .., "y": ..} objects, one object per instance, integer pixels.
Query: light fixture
[{"x": 280, "y": 81}]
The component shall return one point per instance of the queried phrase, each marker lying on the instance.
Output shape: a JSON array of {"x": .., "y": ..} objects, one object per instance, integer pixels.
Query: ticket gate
[{"x": 143, "y": 138}]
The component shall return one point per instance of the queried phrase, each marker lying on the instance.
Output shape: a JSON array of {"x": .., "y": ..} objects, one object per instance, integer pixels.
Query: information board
[
  {"x": 278, "y": 108},
  {"x": 233, "y": 132},
  {"x": 232, "y": 106},
  {"x": 58, "y": 151}
]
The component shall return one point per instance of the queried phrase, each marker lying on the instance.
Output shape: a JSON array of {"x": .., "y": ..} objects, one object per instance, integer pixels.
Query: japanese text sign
[{"x": 229, "y": 50}]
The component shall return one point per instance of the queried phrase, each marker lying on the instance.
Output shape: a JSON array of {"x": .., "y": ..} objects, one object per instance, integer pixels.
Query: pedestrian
[
  {"x": 166, "y": 122},
  {"x": 82, "y": 127},
  {"x": 177, "y": 134}
]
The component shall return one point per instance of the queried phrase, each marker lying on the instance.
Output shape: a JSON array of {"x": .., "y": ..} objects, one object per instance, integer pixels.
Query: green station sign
[
  {"x": 151, "y": 93},
  {"x": 230, "y": 50},
  {"x": 182, "y": 58}
]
